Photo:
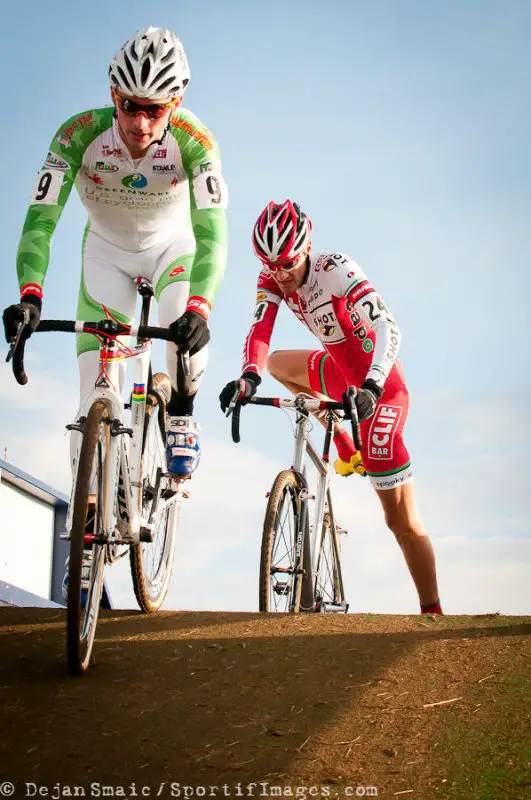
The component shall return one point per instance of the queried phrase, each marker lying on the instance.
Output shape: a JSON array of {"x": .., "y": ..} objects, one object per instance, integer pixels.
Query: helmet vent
[
  {"x": 124, "y": 79},
  {"x": 146, "y": 69},
  {"x": 130, "y": 70}
]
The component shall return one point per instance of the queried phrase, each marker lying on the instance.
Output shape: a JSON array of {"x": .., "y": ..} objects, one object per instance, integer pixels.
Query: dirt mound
[{"x": 353, "y": 705}]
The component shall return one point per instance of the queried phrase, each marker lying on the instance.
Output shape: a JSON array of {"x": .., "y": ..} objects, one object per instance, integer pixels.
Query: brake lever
[
  {"x": 233, "y": 403},
  {"x": 21, "y": 328}
]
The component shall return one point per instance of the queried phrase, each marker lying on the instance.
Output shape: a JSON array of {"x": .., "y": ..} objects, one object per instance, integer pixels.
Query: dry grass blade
[
  {"x": 305, "y": 742},
  {"x": 442, "y": 702}
]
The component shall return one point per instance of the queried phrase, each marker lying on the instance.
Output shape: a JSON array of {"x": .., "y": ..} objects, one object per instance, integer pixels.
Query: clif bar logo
[{"x": 382, "y": 432}]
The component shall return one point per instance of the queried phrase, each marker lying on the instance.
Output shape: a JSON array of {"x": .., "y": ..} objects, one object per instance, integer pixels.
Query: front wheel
[
  {"x": 281, "y": 562},
  {"x": 86, "y": 563},
  {"x": 152, "y": 562},
  {"x": 329, "y": 593}
]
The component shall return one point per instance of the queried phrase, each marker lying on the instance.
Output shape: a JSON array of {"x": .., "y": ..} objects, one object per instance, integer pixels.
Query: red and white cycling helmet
[{"x": 281, "y": 233}]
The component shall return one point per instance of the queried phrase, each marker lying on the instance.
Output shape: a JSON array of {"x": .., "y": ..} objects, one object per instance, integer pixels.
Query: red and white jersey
[{"x": 342, "y": 309}]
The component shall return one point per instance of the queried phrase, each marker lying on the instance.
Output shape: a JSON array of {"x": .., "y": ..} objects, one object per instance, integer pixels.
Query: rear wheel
[
  {"x": 152, "y": 562},
  {"x": 86, "y": 563},
  {"x": 281, "y": 562}
]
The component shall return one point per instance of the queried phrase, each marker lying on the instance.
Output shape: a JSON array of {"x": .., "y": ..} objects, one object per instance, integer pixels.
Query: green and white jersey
[{"x": 135, "y": 205}]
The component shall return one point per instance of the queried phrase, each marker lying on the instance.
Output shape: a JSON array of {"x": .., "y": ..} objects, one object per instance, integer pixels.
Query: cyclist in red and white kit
[{"x": 332, "y": 296}]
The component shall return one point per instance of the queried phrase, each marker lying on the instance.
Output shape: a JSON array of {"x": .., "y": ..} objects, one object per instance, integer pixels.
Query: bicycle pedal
[{"x": 146, "y": 533}]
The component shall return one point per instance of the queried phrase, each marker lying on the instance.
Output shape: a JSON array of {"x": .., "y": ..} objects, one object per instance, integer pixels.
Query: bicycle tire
[
  {"x": 92, "y": 473},
  {"x": 285, "y": 486},
  {"x": 328, "y": 588},
  {"x": 151, "y": 585}
]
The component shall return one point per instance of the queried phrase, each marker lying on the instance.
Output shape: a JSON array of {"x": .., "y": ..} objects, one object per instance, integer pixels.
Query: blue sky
[{"x": 403, "y": 129}]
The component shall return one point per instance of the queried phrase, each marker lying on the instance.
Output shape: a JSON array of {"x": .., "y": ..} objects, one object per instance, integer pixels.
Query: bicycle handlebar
[
  {"x": 107, "y": 327},
  {"x": 304, "y": 404}
]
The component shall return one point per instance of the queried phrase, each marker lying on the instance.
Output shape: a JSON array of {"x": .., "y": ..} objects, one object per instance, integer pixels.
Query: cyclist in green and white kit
[{"x": 149, "y": 174}]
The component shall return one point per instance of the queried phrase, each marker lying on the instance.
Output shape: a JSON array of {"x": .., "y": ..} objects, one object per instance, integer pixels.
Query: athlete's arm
[
  {"x": 208, "y": 203},
  {"x": 52, "y": 188},
  {"x": 365, "y": 308},
  {"x": 256, "y": 348}
]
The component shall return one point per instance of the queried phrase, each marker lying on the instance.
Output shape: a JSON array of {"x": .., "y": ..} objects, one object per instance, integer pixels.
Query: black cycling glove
[
  {"x": 190, "y": 332},
  {"x": 14, "y": 315},
  {"x": 246, "y": 386},
  {"x": 366, "y": 399}
]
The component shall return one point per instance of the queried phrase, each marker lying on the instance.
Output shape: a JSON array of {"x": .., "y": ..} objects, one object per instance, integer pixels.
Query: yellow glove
[{"x": 346, "y": 468}]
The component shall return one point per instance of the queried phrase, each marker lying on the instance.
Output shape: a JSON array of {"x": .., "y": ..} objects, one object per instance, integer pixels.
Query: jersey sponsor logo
[
  {"x": 261, "y": 296},
  {"x": 327, "y": 330},
  {"x": 95, "y": 179},
  {"x": 125, "y": 198},
  {"x": 164, "y": 168},
  {"x": 174, "y": 182},
  {"x": 111, "y": 152},
  {"x": 101, "y": 166},
  {"x": 177, "y": 122},
  {"x": 392, "y": 350},
  {"x": 206, "y": 166},
  {"x": 162, "y": 152},
  {"x": 135, "y": 181},
  {"x": 368, "y": 345},
  {"x": 382, "y": 431},
  {"x": 360, "y": 291},
  {"x": 65, "y": 136},
  {"x": 316, "y": 295},
  {"x": 329, "y": 264},
  {"x": 390, "y": 481},
  {"x": 176, "y": 271},
  {"x": 55, "y": 162}
]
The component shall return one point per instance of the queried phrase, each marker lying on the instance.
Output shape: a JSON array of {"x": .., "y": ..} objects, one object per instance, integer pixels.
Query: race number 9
[
  {"x": 48, "y": 186},
  {"x": 43, "y": 186},
  {"x": 210, "y": 190},
  {"x": 214, "y": 188}
]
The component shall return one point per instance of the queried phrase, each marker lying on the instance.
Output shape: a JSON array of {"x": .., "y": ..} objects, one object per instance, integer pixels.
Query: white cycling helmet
[{"x": 151, "y": 64}]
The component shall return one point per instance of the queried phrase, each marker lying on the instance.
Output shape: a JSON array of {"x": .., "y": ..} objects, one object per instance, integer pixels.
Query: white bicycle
[
  {"x": 123, "y": 500},
  {"x": 300, "y": 559}
]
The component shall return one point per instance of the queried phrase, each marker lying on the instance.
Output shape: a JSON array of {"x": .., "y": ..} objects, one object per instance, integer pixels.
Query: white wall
[{"x": 26, "y": 540}]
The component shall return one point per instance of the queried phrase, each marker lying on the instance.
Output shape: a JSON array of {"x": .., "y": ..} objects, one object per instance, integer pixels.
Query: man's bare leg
[{"x": 402, "y": 517}]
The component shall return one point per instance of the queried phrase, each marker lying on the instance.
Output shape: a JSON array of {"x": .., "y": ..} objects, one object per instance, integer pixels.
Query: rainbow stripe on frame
[{"x": 139, "y": 392}]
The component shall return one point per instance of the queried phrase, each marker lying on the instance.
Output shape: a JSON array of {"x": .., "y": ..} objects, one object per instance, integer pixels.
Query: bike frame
[
  {"x": 124, "y": 457},
  {"x": 120, "y": 457},
  {"x": 302, "y": 448}
]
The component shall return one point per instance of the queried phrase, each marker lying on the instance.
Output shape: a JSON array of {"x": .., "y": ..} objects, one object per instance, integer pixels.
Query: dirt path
[{"x": 212, "y": 699}]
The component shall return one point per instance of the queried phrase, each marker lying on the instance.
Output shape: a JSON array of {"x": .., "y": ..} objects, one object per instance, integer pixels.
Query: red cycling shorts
[{"x": 383, "y": 450}]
